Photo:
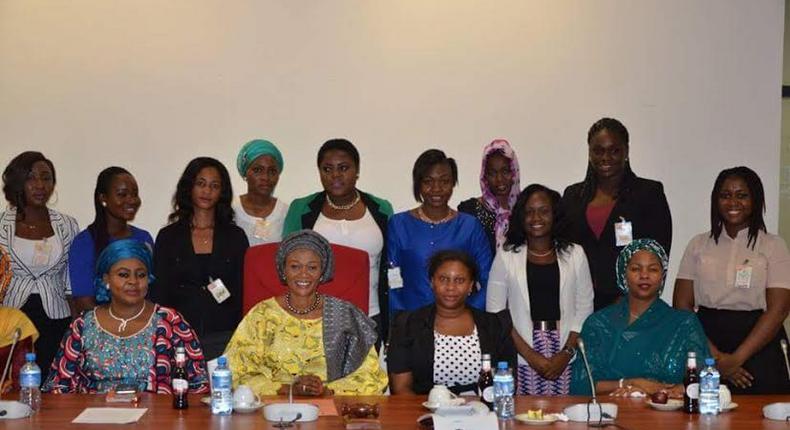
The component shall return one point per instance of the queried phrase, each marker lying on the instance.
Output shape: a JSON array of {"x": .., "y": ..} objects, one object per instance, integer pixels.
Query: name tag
[
  {"x": 41, "y": 253},
  {"x": 218, "y": 290},
  {"x": 623, "y": 232},
  {"x": 394, "y": 278},
  {"x": 743, "y": 275}
]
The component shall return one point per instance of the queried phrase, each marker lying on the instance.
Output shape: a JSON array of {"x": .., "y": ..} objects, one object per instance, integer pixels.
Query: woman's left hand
[
  {"x": 309, "y": 385},
  {"x": 557, "y": 364}
]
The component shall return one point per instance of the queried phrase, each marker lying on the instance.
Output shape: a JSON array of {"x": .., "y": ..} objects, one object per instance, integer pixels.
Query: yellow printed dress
[{"x": 270, "y": 347}]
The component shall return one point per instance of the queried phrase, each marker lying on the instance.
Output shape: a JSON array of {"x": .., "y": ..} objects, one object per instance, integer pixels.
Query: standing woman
[
  {"x": 199, "y": 257},
  {"x": 612, "y": 207},
  {"x": 259, "y": 213},
  {"x": 115, "y": 200},
  {"x": 38, "y": 239},
  {"x": 737, "y": 275},
  {"x": 545, "y": 282},
  {"x": 346, "y": 216},
  {"x": 415, "y": 235},
  {"x": 499, "y": 182}
]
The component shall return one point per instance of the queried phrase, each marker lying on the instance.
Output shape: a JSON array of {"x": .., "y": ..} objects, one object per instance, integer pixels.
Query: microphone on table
[
  {"x": 783, "y": 343},
  {"x": 592, "y": 412},
  {"x": 779, "y": 411},
  {"x": 12, "y": 409}
]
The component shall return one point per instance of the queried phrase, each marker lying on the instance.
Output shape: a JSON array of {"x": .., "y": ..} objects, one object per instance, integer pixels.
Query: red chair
[{"x": 351, "y": 281}]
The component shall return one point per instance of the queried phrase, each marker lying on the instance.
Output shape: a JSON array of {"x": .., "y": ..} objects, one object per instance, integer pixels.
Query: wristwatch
[{"x": 571, "y": 351}]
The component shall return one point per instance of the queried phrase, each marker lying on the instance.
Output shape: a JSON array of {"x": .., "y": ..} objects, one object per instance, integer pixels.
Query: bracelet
[{"x": 571, "y": 351}]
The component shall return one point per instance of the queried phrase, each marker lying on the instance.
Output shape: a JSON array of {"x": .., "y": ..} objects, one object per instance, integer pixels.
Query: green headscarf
[
  {"x": 629, "y": 251},
  {"x": 254, "y": 149}
]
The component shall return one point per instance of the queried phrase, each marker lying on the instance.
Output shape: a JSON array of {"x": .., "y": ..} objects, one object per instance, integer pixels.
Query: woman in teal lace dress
[{"x": 640, "y": 343}]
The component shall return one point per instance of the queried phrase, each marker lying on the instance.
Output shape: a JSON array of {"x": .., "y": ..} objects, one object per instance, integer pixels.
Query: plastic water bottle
[
  {"x": 504, "y": 387},
  {"x": 709, "y": 389},
  {"x": 30, "y": 383},
  {"x": 221, "y": 388}
]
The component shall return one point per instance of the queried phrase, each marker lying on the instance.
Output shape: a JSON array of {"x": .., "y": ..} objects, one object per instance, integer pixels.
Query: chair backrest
[{"x": 351, "y": 281}]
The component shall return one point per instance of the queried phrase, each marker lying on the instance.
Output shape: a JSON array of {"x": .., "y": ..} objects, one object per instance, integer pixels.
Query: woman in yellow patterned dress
[{"x": 321, "y": 343}]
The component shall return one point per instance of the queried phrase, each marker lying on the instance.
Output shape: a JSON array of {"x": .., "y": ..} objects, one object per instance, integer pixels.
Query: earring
[
  {"x": 104, "y": 204},
  {"x": 107, "y": 286}
]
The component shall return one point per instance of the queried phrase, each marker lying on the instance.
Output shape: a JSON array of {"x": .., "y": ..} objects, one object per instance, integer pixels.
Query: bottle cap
[
  {"x": 30, "y": 356},
  {"x": 486, "y": 356},
  {"x": 222, "y": 360},
  {"x": 710, "y": 361},
  {"x": 501, "y": 365},
  {"x": 692, "y": 354}
]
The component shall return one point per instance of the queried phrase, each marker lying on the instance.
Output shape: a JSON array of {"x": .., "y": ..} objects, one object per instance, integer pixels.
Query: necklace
[
  {"x": 540, "y": 254},
  {"x": 423, "y": 217},
  {"x": 343, "y": 207},
  {"x": 122, "y": 325},
  {"x": 305, "y": 311}
]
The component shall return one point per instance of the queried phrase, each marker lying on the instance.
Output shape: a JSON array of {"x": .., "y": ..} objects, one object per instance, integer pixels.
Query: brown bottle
[
  {"x": 691, "y": 385},
  {"x": 179, "y": 380},
  {"x": 485, "y": 382}
]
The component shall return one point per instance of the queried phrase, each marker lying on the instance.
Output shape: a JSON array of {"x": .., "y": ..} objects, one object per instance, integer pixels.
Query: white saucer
[
  {"x": 248, "y": 409},
  {"x": 547, "y": 419},
  {"x": 670, "y": 405},
  {"x": 206, "y": 400},
  {"x": 729, "y": 407},
  {"x": 434, "y": 406}
]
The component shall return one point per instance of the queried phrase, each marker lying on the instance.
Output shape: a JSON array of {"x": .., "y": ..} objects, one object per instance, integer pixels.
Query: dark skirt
[
  {"x": 50, "y": 332},
  {"x": 728, "y": 329}
]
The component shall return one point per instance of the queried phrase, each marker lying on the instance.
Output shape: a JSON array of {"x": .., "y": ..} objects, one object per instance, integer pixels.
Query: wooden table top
[{"x": 397, "y": 412}]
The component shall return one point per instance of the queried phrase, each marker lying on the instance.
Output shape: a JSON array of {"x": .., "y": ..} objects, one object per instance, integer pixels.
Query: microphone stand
[
  {"x": 787, "y": 364},
  {"x": 594, "y": 401},
  {"x": 17, "y": 335}
]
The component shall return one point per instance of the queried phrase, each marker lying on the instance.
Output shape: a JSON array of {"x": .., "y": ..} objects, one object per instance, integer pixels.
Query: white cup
[
  {"x": 441, "y": 396},
  {"x": 725, "y": 396},
  {"x": 243, "y": 397}
]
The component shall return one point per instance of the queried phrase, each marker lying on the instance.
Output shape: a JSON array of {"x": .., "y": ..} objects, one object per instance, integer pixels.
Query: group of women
[{"x": 521, "y": 275}]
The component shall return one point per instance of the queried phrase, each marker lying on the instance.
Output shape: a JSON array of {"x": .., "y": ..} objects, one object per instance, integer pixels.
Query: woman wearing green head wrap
[
  {"x": 639, "y": 344},
  {"x": 258, "y": 212}
]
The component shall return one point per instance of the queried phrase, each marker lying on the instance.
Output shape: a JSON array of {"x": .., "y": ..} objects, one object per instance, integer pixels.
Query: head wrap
[
  {"x": 254, "y": 149},
  {"x": 5, "y": 272},
  {"x": 502, "y": 147},
  {"x": 306, "y": 239},
  {"x": 629, "y": 251},
  {"x": 115, "y": 252}
]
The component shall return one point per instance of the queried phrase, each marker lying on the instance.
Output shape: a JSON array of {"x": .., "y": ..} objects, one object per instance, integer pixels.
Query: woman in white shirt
[
  {"x": 737, "y": 275},
  {"x": 544, "y": 281},
  {"x": 37, "y": 239},
  {"x": 258, "y": 212}
]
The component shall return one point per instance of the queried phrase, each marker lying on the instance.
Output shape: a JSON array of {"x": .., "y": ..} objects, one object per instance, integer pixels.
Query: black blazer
[
  {"x": 411, "y": 344},
  {"x": 643, "y": 203},
  {"x": 180, "y": 284},
  {"x": 308, "y": 221}
]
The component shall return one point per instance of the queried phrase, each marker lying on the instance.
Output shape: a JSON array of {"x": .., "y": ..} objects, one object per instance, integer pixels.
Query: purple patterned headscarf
[{"x": 502, "y": 147}]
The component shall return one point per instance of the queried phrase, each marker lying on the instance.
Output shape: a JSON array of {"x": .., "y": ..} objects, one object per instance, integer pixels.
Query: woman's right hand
[{"x": 309, "y": 385}]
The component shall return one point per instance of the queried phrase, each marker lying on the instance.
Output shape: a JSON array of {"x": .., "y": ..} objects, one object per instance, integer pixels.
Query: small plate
[
  {"x": 434, "y": 406},
  {"x": 670, "y": 405},
  {"x": 729, "y": 407},
  {"x": 547, "y": 419},
  {"x": 248, "y": 409},
  {"x": 206, "y": 400}
]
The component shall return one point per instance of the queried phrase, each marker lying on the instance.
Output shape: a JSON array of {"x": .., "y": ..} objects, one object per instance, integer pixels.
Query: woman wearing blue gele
[{"x": 640, "y": 343}]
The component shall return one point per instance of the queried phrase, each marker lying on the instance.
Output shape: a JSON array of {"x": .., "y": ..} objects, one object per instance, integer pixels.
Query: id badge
[
  {"x": 743, "y": 275},
  {"x": 41, "y": 253},
  {"x": 394, "y": 278},
  {"x": 261, "y": 229},
  {"x": 623, "y": 232},
  {"x": 218, "y": 290}
]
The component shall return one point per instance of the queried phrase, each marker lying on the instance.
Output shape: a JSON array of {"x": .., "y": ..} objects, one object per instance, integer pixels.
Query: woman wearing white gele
[{"x": 258, "y": 212}]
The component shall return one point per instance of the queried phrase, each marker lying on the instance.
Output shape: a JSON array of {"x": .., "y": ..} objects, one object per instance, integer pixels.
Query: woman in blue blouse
[
  {"x": 116, "y": 201},
  {"x": 414, "y": 235}
]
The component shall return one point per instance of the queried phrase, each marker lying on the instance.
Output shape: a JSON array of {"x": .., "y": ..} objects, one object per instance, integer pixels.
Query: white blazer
[{"x": 507, "y": 288}]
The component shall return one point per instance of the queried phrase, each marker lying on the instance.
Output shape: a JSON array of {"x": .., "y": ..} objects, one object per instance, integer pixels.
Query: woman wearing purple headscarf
[{"x": 499, "y": 181}]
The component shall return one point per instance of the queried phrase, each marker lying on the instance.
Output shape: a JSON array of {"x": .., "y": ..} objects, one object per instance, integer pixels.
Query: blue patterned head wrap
[
  {"x": 254, "y": 149},
  {"x": 629, "y": 251},
  {"x": 115, "y": 252},
  {"x": 306, "y": 239}
]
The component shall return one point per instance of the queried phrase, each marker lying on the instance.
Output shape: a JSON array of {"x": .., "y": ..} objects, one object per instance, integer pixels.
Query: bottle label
[
  {"x": 488, "y": 394},
  {"x": 30, "y": 379},
  {"x": 180, "y": 386},
  {"x": 692, "y": 391}
]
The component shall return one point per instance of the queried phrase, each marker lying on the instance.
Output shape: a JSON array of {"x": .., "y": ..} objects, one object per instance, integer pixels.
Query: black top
[
  {"x": 411, "y": 343},
  {"x": 544, "y": 291},
  {"x": 643, "y": 203},
  {"x": 182, "y": 277},
  {"x": 487, "y": 218}
]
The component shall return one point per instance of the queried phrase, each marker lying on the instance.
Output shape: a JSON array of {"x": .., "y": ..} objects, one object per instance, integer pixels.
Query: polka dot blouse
[{"x": 456, "y": 359}]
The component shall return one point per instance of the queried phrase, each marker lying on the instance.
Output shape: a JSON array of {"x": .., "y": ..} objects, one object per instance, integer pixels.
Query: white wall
[{"x": 150, "y": 84}]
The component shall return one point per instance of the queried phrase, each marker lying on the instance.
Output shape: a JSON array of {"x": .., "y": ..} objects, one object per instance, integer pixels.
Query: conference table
[{"x": 397, "y": 412}]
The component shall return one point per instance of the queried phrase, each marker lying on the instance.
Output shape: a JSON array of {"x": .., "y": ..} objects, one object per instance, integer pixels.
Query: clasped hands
[{"x": 307, "y": 385}]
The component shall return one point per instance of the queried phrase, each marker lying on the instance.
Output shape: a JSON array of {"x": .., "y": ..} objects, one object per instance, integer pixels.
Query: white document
[
  {"x": 110, "y": 415},
  {"x": 468, "y": 422}
]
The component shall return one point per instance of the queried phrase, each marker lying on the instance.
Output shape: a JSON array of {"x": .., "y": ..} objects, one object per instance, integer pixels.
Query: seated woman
[
  {"x": 442, "y": 343},
  {"x": 640, "y": 343},
  {"x": 129, "y": 340},
  {"x": 10, "y": 320},
  {"x": 322, "y": 344}
]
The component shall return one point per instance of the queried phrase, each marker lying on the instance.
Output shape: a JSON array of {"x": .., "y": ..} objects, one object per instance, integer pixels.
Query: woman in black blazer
[
  {"x": 442, "y": 344},
  {"x": 199, "y": 257},
  {"x": 609, "y": 200}
]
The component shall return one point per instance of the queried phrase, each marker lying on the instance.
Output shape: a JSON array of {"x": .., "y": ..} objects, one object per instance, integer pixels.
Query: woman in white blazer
[{"x": 545, "y": 282}]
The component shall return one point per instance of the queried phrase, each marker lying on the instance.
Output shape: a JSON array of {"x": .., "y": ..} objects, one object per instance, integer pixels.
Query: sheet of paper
[
  {"x": 110, "y": 415},
  {"x": 473, "y": 422}
]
